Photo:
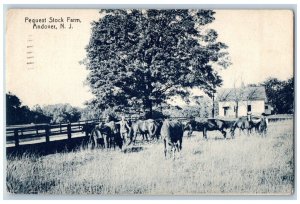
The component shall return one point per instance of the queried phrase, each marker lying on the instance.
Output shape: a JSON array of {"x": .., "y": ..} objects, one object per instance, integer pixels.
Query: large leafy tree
[
  {"x": 280, "y": 94},
  {"x": 16, "y": 113},
  {"x": 141, "y": 58}
]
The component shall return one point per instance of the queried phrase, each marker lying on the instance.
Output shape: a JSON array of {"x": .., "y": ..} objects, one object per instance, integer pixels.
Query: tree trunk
[
  {"x": 150, "y": 108},
  {"x": 149, "y": 88}
]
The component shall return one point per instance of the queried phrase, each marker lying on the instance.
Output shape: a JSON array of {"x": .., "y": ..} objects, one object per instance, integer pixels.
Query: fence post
[
  {"x": 16, "y": 137},
  {"x": 47, "y": 131},
  {"x": 86, "y": 129},
  {"x": 69, "y": 131}
]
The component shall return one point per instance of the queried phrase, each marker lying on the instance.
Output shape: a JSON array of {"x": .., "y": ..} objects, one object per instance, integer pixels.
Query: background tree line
[
  {"x": 280, "y": 94},
  {"x": 17, "y": 113}
]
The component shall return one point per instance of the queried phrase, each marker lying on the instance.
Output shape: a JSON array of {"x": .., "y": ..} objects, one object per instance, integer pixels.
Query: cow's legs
[
  {"x": 94, "y": 138},
  {"x": 134, "y": 137},
  {"x": 165, "y": 150},
  {"x": 131, "y": 138},
  {"x": 204, "y": 133},
  {"x": 224, "y": 133},
  {"x": 232, "y": 130},
  {"x": 180, "y": 144},
  {"x": 248, "y": 131},
  {"x": 146, "y": 137},
  {"x": 106, "y": 141},
  {"x": 91, "y": 141},
  {"x": 190, "y": 132},
  {"x": 95, "y": 142},
  {"x": 114, "y": 142},
  {"x": 173, "y": 150}
]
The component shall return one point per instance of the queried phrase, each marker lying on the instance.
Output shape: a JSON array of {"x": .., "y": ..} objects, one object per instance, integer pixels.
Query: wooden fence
[
  {"x": 37, "y": 133},
  {"x": 45, "y": 133}
]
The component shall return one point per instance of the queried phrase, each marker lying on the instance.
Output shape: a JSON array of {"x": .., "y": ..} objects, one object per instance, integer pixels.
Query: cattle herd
[{"x": 114, "y": 133}]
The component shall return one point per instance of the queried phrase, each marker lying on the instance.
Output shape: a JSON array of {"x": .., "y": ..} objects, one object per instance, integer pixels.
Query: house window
[
  {"x": 225, "y": 110},
  {"x": 266, "y": 107},
  {"x": 249, "y": 108}
]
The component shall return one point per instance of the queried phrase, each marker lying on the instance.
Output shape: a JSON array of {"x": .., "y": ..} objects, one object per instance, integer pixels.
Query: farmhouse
[{"x": 236, "y": 102}]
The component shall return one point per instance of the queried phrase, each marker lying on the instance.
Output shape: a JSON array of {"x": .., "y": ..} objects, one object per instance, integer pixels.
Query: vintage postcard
[{"x": 149, "y": 102}]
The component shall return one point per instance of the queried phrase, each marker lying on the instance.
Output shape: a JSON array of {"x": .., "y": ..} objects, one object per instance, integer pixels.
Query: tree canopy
[
  {"x": 16, "y": 113},
  {"x": 201, "y": 107},
  {"x": 143, "y": 57},
  {"x": 60, "y": 113},
  {"x": 280, "y": 94}
]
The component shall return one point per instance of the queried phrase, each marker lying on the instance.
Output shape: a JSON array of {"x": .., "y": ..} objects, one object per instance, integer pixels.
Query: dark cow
[
  {"x": 263, "y": 126},
  {"x": 172, "y": 134},
  {"x": 91, "y": 130},
  {"x": 112, "y": 133},
  {"x": 96, "y": 138},
  {"x": 217, "y": 124},
  {"x": 211, "y": 125},
  {"x": 189, "y": 126},
  {"x": 88, "y": 128},
  {"x": 158, "y": 124},
  {"x": 144, "y": 127}
]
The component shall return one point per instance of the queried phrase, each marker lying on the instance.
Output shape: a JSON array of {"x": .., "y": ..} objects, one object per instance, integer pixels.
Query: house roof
[{"x": 242, "y": 94}]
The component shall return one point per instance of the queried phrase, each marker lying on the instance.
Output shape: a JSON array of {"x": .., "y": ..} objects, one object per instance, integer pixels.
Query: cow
[
  {"x": 209, "y": 125},
  {"x": 172, "y": 134},
  {"x": 217, "y": 124},
  {"x": 96, "y": 138},
  {"x": 243, "y": 123},
  {"x": 106, "y": 135},
  {"x": 92, "y": 132},
  {"x": 112, "y": 133},
  {"x": 261, "y": 125},
  {"x": 88, "y": 127},
  {"x": 189, "y": 126},
  {"x": 144, "y": 127}
]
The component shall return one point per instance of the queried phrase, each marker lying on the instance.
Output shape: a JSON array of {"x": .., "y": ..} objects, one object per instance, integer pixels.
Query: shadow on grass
[
  {"x": 198, "y": 152},
  {"x": 132, "y": 149},
  {"x": 53, "y": 147}
]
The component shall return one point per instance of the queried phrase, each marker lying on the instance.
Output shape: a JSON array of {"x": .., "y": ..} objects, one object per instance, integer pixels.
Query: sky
[{"x": 260, "y": 46}]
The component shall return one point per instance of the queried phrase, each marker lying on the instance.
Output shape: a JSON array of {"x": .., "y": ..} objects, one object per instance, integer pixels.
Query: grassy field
[{"x": 244, "y": 165}]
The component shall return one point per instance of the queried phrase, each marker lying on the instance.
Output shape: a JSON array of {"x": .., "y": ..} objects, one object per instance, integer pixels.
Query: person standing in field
[{"x": 124, "y": 128}]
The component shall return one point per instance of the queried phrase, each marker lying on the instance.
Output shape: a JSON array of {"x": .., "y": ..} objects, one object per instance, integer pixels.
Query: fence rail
[
  {"x": 26, "y": 134},
  {"x": 44, "y": 132}
]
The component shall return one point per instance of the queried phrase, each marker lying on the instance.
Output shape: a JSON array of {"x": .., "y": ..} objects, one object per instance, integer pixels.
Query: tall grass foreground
[{"x": 252, "y": 165}]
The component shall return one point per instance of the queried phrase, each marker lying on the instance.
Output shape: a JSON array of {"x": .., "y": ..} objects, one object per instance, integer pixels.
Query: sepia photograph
[{"x": 142, "y": 101}]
